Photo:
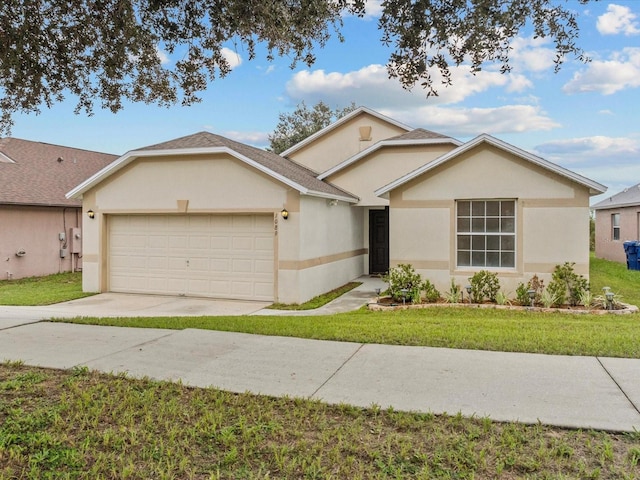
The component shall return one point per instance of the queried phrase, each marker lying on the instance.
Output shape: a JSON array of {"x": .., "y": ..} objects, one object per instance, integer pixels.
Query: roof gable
[
  {"x": 290, "y": 173},
  {"x": 626, "y": 198},
  {"x": 37, "y": 173},
  {"x": 341, "y": 121},
  {"x": 594, "y": 187},
  {"x": 415, "y": 137}
]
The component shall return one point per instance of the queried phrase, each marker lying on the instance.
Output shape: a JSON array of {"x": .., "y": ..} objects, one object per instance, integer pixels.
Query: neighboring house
[
  {"x": 617, "y": 221},
  {"x": 40, "y": 230},
  {"x": 205, "y": 215}
]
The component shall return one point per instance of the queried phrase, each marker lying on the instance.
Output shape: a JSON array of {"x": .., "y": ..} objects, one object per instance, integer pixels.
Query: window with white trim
[
  {"x": 486, "y": 233},
  {"x": 615, "y": 226}
]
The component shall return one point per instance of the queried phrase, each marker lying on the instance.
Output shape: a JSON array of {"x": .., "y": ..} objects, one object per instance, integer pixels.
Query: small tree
[{"x": 294, "y": 127}]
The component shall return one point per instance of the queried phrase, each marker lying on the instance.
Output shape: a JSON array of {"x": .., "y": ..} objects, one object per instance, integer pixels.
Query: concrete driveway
[{"x": 128, "y": 305}]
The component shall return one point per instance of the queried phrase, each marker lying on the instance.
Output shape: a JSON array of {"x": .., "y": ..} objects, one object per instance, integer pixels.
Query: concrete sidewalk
[{"x": 582, "y": 392}]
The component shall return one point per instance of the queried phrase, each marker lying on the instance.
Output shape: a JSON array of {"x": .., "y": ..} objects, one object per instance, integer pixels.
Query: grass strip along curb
[{"x": 79, "y": 424}]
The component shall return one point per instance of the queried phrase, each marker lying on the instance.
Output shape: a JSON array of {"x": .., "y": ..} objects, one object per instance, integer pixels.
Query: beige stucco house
[
  {"x": 40, "y": 229},
  {"x": 207, "y": 216},
  {"x": 617, "y": 221}
]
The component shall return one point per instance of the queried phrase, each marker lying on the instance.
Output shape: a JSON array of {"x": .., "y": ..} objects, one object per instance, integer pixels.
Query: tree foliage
[
  {"x": 107, "y": 51},
  {"x": 294, "y": 127}
]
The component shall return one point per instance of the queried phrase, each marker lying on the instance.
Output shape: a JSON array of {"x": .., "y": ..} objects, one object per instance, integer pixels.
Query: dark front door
[{"x": 379, "y": 241}]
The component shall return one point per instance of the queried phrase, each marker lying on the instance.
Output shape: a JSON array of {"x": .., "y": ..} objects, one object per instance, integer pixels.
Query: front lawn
[
  {"x": 77, "y": 424},
  {"x": 57, "y": 288}
]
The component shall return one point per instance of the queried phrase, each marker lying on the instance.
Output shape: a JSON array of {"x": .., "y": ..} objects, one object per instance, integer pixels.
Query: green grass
[
  {"x": 319, "y": 301},
  {"x": 79, "y": 424},
  {"x": 56, "y": 288},
  {"x": 615, "y": 275},
  {"x": 481, "y": 329}
]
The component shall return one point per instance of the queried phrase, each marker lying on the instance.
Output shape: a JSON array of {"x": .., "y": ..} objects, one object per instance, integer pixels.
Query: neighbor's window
[
  {"x": 615, "y": 226},
  {"x": 486, "y": 233}
]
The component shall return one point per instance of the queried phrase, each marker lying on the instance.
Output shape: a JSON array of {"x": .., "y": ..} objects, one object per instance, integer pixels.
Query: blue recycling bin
[{"x": 631, "y": 249}]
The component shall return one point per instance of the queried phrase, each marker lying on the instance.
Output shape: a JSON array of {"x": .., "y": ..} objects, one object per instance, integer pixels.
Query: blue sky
[{"x": 585, "y": 118}]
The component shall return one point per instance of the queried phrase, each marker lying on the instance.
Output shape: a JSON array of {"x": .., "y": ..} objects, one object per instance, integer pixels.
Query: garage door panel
[
  {"x": 158, "y": 241},
  {"x": 220, "y": 265},
  {"x": 178, "y": 241},
  {"x": 243, "y": 243},
  {"x": 220, "y": 243},
  {"x": 264, "y": 244},
  {"x": 177, "y": 264},
  {"x": 157, "y": 263},
  {"x": 225, "y": 256},
  {"x": 200, "y": 242},
  {"x": 263, "y": 266},
  {"x": 242, "y": 266}
]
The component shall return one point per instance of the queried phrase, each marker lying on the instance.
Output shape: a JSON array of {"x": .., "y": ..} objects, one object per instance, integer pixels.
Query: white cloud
[
  {"x": 611, "y": 161},
  {"x": 372, "y": 85},
  {"x": 162, "y": 55},
  {"x": 597, "y": 146},
  {"x": 257, "y": 139},
  {"x": 473, "y": 121},
  {"x": 531, "y": 54},
  {"x": 621, "y": 71},
  {"x": 234, "y": 59},
  {"x": 618, "y": 19},
  {"x": 373, "y": 8}
]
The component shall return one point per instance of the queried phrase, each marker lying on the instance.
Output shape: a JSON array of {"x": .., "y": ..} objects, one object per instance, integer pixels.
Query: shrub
[
  {"x": 522, "y": 292},
  {"x": 502, "y": 298},
  {"x": 484, "y": 284},
  {"x": 549, "y": 298},
  {"x": 454, "y": 295},
  {"x": 403, "y": 277},
  {"x": 567, "y": 285},
  {"x": 431, "y": 294}
]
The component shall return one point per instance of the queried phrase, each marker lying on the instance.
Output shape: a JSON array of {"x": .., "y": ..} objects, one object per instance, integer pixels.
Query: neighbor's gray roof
[
  {"x": 626, "y": 198},
  {"x": 36, "y": 173},
  {"x": 205, "y": 142}
]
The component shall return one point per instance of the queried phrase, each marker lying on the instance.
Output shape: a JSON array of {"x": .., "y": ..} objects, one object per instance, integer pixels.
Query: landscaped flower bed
[{"x": 567, "y": 292}]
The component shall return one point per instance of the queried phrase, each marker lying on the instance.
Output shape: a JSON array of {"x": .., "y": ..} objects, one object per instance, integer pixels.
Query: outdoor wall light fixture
[
  {"x": 91, "y": 214},
  {"x": 284, "y": 213}
]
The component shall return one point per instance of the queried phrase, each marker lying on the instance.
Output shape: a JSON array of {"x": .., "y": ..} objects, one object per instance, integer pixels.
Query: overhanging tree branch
[{"x": 106, "y": 51}]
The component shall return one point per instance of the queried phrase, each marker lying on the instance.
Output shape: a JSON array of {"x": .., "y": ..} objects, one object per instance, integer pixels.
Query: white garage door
[{"x": 224, "y": 256}]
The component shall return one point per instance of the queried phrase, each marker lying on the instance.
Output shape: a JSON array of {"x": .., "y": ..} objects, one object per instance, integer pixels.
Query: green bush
[
  {"x": 566, "y": 285},
  {"x": 403, "y": 277},
  {"x": 484, "y": 285},
  {"x": 522, "y": 292},
  {"x": 431, "y": 294},
  {"x": 454, "y": 294}
]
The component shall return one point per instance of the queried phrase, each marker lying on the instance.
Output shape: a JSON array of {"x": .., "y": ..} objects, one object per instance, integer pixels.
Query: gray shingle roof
[
  {"x": 418, "y": 134},
  {"x": 280, "y": 165},
  {"x": 36, "y": 173},
  {"x": 628, "y": 197}
]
